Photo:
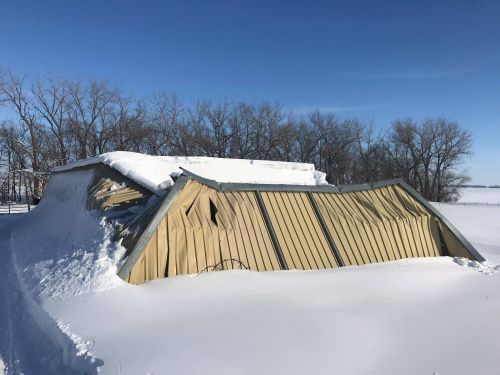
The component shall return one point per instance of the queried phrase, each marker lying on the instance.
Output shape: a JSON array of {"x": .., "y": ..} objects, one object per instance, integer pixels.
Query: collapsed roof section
[
  {"x": 156, "y": 173},
  {"x": 203, "y": 225}
]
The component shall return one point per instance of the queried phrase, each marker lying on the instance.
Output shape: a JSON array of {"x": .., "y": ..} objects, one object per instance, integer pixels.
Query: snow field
[
  {"x": 479, "y": 223},
  {"x": 480, "y": 195}
]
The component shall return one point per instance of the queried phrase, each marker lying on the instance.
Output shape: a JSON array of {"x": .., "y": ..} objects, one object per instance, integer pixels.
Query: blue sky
[{"x": 373, "y": 60}]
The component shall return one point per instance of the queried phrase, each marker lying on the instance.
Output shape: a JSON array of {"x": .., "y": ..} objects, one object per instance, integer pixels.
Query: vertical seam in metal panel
[
  {"x": 341, "y": 233},
  {"x": 412, "y": 215},
  {"x": 279, "y": 221},
  {"x": 370, "y": 223},
  {"x": 239, "y": 237},
  {"x": 428, "y": 246},
  {"x": 328, "y": 235},
  {"x": 444, "y": 247},
  {"x": 281, "y": 230},
  {"x": 436, "y": 246},
  {"x": 252, "y": 253},
  {"x": 275, "y": 215},
  {"x": 158, "y": 252},
  {"x": 260, "y": 236},
  {"x": 310, "y": 229},
  {"x": 291, "y": 229},
  {"x": 407, "y": 218},
  {"x": 390, "y": 217},
  {"x": 408, "y": 204},
  {"x": 356, "y": 238},
  {"x": 218, "y": 243},
  {"x": 379, "y": 220},
  {"x": 422, "y": 213},
  {"x": 195, "y": 230},
  {"x": 239, "y": 252},
  {"x": 270, "y": 228},
  {"x": 254, "y": 244},
  {"x": 226, "y": 228},
  {"x": 167, "y": 254},
  {"x": 404, "y": 252},
  {"x": 360, "y": 224}
]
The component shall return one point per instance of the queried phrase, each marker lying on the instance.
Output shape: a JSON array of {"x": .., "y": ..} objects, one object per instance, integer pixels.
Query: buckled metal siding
[{"x": 378, "y": 225}]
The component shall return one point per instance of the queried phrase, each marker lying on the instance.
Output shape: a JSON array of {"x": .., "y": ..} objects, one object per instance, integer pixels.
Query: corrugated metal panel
[
  {"x": 454, "y": 246},
  {"x": 298, "y": 231},
  {"x": 151, "y": 264},
  {"x": 207, "y": 230},
  {"x": 378, "y": 225},
  {"x": 138, "y": 273}
]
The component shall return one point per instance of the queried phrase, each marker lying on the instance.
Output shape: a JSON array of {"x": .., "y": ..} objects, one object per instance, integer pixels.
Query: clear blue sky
[{"x": 373, "y": 60}]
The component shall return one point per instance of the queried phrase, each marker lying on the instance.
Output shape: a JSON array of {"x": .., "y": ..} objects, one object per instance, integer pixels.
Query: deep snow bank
[
  {"x": 59, "y": 249},
  {"x": 409, "y": 317},
  {"x": 413, "y": 316},
  {"x": 154, "y": 172}
]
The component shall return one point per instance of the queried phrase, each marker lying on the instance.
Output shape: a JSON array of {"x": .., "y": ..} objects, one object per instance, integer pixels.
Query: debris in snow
[{"x": 483, "y": 267}]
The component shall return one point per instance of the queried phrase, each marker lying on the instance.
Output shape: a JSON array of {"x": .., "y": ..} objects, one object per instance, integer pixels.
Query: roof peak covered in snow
[{"x": 155, "y": 172}]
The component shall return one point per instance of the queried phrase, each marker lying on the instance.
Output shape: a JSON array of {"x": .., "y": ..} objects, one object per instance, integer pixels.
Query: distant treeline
[{"x": 54, "y": 121}]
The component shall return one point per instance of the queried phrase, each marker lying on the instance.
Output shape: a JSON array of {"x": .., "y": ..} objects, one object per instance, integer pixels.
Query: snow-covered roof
[{"x": 155, "y": 172}]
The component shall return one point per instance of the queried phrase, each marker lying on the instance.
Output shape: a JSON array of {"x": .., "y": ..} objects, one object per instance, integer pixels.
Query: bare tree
[
  {"x": 167, "y": 120},
  {"x": 57, "y": 121},
  {"x": 86, "y": 107},
  {"x": 51, "y": 100},
  {"x": 14, "y": 93},
  {"x": 450, "y": 147},
  {"x": 428, "y": 156},
  {"x": 371, "y": 162}
]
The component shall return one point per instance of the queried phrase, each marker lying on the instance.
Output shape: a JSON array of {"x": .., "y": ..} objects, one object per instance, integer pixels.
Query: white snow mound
[{"x": 62, "y": 248}]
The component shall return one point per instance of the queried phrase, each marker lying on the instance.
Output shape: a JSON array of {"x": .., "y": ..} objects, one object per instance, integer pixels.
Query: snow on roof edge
[
  {"x": 78, "y": 164},
  {"x": 155, "y": 172}
]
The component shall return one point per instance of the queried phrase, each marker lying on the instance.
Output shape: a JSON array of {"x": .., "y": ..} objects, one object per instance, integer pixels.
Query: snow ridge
[
  {"x": 484, "y": 267},
  {"x": 74, "y": 355}
]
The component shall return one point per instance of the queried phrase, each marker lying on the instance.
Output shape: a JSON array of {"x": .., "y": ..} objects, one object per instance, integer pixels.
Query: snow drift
[{"x": 59, "y": 249}]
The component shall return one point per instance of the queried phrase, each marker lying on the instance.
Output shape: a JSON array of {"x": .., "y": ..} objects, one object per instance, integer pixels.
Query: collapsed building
[{"x": 187, "y": 215}]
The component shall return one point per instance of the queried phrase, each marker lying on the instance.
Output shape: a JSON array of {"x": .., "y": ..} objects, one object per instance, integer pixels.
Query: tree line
[{"x": 50, "y": 122}]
